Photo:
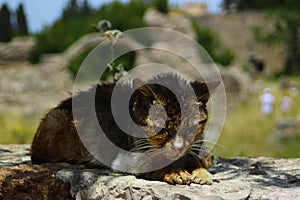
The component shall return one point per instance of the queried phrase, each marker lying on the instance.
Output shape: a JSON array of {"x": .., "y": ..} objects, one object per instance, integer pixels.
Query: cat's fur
[{"x": 57, "y": 139}]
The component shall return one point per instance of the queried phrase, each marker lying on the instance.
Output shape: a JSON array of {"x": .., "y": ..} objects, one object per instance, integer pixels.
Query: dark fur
[{"x": 57, "y": 140}]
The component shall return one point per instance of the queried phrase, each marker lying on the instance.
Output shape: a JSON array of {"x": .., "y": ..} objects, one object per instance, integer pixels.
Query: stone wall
[
  {"x": 233, "y": 179},
  {"x": 18, "y": 50},
  {"x": 287, "y": 128},
  {"x": 31, "y": 89},
  {"x": 235, "y": 32}
]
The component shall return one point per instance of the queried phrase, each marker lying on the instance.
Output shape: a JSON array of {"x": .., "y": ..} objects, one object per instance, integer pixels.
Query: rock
[
  {"x": 285, "y": 193},
  {"x": 235, "y": 31},
  {"x": 175, "y": 20},
  {"x": 233, "y": 178},
  {"x": 287, "y": 128},
  {"x": 23, "y": 88},
  {"x": 237, "y": 84},
  {"x": 18, "y": 50},
  {"x": 21, "y": 180}
]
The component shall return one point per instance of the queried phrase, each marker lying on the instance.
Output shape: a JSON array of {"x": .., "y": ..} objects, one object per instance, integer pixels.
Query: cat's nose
[
  {"x": 178, "y": 145},
  {"x": 177, "y": 150}
]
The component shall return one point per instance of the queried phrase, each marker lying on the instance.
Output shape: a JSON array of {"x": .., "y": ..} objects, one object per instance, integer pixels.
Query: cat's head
[{"x": 172, "y": 111}]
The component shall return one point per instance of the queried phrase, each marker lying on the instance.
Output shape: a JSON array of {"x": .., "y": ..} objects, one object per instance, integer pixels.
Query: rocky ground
[{"x": 233, "y": 178}]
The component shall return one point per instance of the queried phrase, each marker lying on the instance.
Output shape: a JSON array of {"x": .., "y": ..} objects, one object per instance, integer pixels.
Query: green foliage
[
  {"x": 270, "y": 37},
  {"x": 253, "y": 4},
  {"x": 224, "y": 57},
  {"x": 286, "y": 14},
  {"x": 60, "y": 35},
  {"x": 124, "y": 62},
  {"x": 22, "y": 22},
  {"x": 72, "y": 9},
  {"x": 77, "y": 20},
  {"x": 211, "y": 43},
  {"x": 75, "y": 63},
  {"x": 6, "y": 31},
  {"x": 286, "y": 17},
  {"x": 86, "y": 8},
  {"x": 123, "y": 16},
  {"x": 161, "y": 5}
]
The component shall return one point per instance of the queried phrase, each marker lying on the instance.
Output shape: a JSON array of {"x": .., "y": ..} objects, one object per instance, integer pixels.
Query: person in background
[
  {"x": 286, "y": 104},
  {"x": 267, "y": 100}
]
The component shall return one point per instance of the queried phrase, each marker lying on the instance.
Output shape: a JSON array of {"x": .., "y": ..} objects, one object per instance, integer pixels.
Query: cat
[{"x": 57, "y": 139}]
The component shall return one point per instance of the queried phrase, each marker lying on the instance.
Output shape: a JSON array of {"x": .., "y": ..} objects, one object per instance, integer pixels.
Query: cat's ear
[
  {"x": 202, "y": 89},
  {"x": 142, "y": 90}
]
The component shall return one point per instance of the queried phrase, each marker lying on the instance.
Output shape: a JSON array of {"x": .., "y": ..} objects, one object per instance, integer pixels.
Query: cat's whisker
[
  {"x": 197, "y": 154},
  {"x": 140, "y": 148},
  {"x": 140, "y": 141},
  {"x": 200, "y": 142},
  {"x": 143, "y": 147},
  {"x": 140, "y": 144},
  {"x": 198, "y": 147}
]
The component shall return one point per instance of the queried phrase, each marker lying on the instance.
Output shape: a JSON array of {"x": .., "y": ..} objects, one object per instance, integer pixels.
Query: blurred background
[{"x": 255, "y": 45}]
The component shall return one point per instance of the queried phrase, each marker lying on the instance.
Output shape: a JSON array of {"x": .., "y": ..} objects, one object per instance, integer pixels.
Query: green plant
[
  {"x": 161, "y": 5},
  {"x": 77, "y": 21},
  {"x": 211, "y": 43},
  {"x": 76, "y": 62},
  {"x": 116, "y": 66},
  {"x": 123, "y": 63},
  {"x": 56, "y": 38},
  {"x": 225, "y": 57}
]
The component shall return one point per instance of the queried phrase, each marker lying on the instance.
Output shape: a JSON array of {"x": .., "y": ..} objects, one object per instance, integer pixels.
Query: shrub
[
  {"x": 76, "y": 22},
  {"x": 161, "y": 5},
  {"x": 211, "y": 43}
]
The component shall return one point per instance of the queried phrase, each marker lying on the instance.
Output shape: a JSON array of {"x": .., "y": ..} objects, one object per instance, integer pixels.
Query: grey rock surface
[
  {"x": 24, "y": 88},
  {"x": 17, "y": 50},
  {"x": 233, "y": 178},
  {"x": 287, "y": 128}
]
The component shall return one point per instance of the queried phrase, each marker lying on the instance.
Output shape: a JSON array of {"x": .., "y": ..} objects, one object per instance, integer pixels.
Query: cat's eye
[
  {"x": 164, "y": 131},
  {"x": 202, "y": 121}
]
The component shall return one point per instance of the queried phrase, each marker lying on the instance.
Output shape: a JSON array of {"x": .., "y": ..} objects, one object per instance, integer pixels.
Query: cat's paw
[
  {"x": 178, "y": 176},
  {"x": 201, "y": 176}
]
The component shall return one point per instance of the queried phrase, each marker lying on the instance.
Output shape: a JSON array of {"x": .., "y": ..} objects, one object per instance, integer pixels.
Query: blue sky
[{"x": 42, "y": 12}]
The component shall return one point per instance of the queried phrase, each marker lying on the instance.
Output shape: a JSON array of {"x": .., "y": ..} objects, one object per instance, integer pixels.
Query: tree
[
  {"x": 6, "y": 32},
  {"x": 161, "y": 5},
  {"x": 86, "y": 8},
  {"x": 71, "y": 10},
  {"x": 22, "y": 22},
  {"x": 69, "y": 27}
]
